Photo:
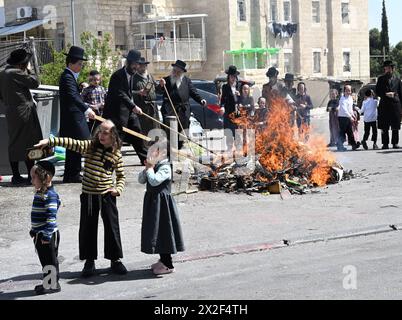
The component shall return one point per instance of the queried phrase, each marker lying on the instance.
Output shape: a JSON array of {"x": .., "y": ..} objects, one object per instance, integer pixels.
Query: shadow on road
[{"x": 105, "y": 275}]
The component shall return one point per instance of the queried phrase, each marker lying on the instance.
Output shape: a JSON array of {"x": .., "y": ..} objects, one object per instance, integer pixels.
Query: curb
[{"x": 259, "y": 247}]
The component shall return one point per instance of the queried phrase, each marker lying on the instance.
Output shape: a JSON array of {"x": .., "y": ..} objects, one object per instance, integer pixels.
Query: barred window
[
  {"x": 345, "y": 13},
  {"x": 316, "y": 11},
  {"x": 241, "y": 10}
]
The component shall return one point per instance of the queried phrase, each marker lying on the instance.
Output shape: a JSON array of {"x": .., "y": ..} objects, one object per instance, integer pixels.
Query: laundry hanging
[{"x": 283, "y": 30}]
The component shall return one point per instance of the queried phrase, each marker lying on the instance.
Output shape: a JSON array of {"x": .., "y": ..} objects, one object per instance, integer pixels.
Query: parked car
[
  {"x": 208, "y": 117},
  {"x": 362, "y": 92}
]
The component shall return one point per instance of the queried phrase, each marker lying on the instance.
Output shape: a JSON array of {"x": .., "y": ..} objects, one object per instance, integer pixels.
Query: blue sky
[{"x": 394, "y": 8}]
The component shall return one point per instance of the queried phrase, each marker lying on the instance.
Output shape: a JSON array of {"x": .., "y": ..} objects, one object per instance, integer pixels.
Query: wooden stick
[{"x": 131, "y": 132}]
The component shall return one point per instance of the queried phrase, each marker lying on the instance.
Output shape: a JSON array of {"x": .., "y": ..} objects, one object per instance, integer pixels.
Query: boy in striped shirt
[
  {"x": 102, "y": 157},
  {"x": 44, "y": 226}
]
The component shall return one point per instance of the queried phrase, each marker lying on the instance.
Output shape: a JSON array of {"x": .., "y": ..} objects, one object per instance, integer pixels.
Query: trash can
[{"x": 47, "y": 109}]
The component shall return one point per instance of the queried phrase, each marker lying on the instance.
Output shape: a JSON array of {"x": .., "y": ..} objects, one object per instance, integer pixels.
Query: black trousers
[
  {"x": 385, "y": 137},
  {"x": 345, "y": 129},
  {"x": 137, "y": 143},
  {"x": 48, "y": 253},
  {"x": 88, "y": 233},
  {"x": 72, "y": 167},
  {"x": 368, "y": 126}
]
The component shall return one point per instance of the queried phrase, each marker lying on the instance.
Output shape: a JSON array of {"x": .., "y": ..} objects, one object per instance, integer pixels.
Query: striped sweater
[
  {"x": 99, "y": 165},
  {"x": 44, "y": 212}
]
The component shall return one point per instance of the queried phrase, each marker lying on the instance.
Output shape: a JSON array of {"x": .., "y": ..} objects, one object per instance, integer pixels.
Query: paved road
[{"x": 216, "y": 225}]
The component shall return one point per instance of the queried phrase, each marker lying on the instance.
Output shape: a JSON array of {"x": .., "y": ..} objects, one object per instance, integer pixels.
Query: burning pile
[{"x": 281, "y": 161}]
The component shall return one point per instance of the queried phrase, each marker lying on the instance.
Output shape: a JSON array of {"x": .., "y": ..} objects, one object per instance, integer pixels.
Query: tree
[
  {"x": 396, "y": 56},
  {"x": 384, "y": 29},
  {"x": 375, "y": 45},
  {"x": 99, "y": 55}
]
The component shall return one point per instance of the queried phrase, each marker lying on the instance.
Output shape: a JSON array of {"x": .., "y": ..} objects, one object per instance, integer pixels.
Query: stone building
[{"x": 311, "y": 38}]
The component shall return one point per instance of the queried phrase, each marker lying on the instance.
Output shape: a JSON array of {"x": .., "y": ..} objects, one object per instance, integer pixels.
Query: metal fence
[
  {"x": 169, "y": 50},
  {"x": 43, "y": 50}
]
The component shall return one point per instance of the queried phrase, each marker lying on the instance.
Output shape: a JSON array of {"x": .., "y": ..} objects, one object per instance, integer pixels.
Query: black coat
[
  {"x": 228, "y": 99},
  {"x": 389, "y": 110},
  {"x": 119, "y": 100},
  {"x": 72, "y": 108},
  {"x": 180, "y": 98}
]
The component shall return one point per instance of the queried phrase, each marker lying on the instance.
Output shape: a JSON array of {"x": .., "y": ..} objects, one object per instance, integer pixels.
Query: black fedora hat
[
  {"x": 388, "y": 63},
  {"x": 180, "y": 64},
  {"x": 232, "y": 70},
  {"x": 133, "y": 56},
  {"x": 76, "y": 53},
  {"x": 272, "y": 72},
  {"x": 142, "y": 61},
  {"x": 19, "y": 56},
  {"x": 289, "y": 77}
]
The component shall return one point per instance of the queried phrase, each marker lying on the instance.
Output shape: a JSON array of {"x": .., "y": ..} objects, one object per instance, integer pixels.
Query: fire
[{"x": 282, "y": 152}]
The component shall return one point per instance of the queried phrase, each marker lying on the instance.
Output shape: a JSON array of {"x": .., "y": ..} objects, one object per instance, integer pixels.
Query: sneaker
[
  {"x": 118, "y": 267},
  {"x": 375, "y": 147},
  {"x": 40, "y": 289},
  {"x": 365, "y": 146},
  {"x": 158, "y": 264},
  {"x": 162, "y": 270},
  {"x": 89, "y": 269}
]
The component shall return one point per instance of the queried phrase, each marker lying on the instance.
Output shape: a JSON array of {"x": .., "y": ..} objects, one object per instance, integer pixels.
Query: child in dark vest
[
  {"x": 161, "y": 230},
  {"x": 100, "y": 190},
  {"x": 44, "y": 226}
]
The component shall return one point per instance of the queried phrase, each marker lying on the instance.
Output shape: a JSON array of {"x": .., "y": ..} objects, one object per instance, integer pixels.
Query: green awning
[{"x": 271, "y": 51}]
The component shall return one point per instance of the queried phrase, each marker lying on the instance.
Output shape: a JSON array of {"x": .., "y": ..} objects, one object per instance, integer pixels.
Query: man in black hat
[
  {"x": 120, "y": 106},
  {"x": 180, "y": 89},
  {"x": 389, "y": 89},
  {"x": 229, "y": 100},
  {"x": 144, "y": 90},
  {"x": 292, "y": 92},
  {"x": 22, "y": 119},
  {"x": 73, "y": 111}
]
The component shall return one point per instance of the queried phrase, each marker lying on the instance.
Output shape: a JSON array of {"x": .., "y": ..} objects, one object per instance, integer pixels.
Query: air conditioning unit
[
  {"x": 24, "y": 12},
  {"x": 148, "y": 9}
]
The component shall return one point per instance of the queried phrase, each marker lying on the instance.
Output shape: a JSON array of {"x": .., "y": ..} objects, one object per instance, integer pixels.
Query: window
[
  {"x": 316, "y": 12},
  {"x": 120, "y": 35},
  {"x": 274, "y": 10},
  {"x": 346, "y": 61},
  {"x": 345, "y": 13},
  {"x": 241, "y": 10},
  {"x": 288, "y": 62},
  {"x": 60, "y": 36},
  {"x": 274, "y": 60},
  {"x": 317, "y": 62},
  {"x": 286, "y": 11}
]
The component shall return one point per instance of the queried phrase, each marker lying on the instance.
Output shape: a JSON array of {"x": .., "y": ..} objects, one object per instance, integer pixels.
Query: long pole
[{"x": 73, "y": 20}]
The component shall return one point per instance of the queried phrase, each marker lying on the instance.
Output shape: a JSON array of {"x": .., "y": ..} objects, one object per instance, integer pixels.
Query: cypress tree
[{"x": 384, "y": 31}]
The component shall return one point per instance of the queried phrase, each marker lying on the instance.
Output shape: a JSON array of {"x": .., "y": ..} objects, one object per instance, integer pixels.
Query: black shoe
[
  {"x": 385, "y": 147},
  {"x": 89, "y": 269},
  {"x": 395, "y": 146},
  {"x": 41, "y": 290},
  {"x": 356, "y": 146},
  {"x": 341, "y": 149},
  {"x": 365, "y": 146},
  {"x": 18, "y": 181},
  {"x": 77, "y": 179},
  {"x": 375, "y": 147},
  {"x": 118, "y": 267}
]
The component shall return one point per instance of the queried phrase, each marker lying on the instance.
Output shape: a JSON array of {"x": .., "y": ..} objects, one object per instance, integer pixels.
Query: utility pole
[{"x": 73, "y": 21}]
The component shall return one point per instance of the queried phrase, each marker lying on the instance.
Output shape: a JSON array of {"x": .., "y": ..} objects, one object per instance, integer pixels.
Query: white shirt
[
  {"x": 345, "y": 107},
  {"x": 369, "y": 109}
]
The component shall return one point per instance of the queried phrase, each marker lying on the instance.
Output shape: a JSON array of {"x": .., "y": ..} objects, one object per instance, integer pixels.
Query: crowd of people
[{"x": 129, "y": 102}]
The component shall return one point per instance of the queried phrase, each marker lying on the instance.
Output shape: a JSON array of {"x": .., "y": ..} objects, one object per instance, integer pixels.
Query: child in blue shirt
[{"x": 44, "y": 229}]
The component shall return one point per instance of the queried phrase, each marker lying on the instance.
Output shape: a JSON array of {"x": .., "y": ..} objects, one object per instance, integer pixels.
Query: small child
[
  {"x": 95, "y": 96},
  {"x": 332, "y": 108},
  {"x": 99, "y": 192},
  {"x": 161, "y": 231},
  {"x": 369, "y": 109},
  {"x": 43, "y": 219}
]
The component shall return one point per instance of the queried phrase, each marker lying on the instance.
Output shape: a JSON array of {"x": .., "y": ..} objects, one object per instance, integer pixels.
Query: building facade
[{"x": 310, "y": 38}]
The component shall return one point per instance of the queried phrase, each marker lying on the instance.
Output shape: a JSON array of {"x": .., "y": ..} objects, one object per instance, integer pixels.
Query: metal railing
[{"x": 187, "y": 49}]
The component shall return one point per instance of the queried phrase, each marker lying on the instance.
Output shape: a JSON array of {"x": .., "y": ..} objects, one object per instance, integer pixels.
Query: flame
[{"x": 283, "y": 151}]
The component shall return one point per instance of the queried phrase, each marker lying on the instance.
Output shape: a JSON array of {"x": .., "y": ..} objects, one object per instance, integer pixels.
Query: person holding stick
[
  {"x": 177, "y": 92},
  {"x": 99, "y": 192}
]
